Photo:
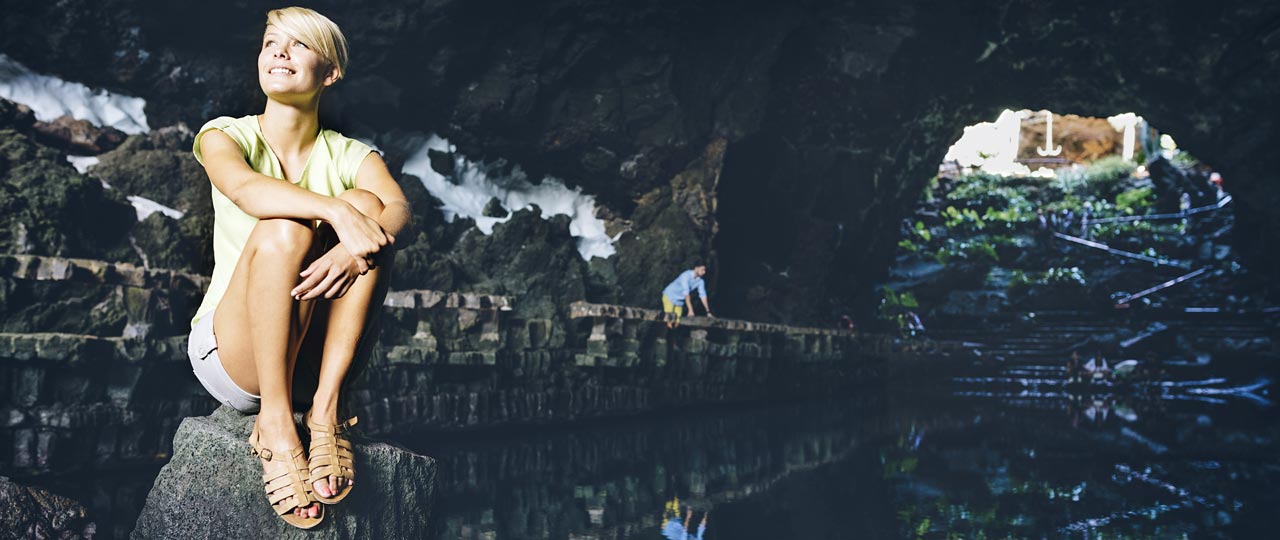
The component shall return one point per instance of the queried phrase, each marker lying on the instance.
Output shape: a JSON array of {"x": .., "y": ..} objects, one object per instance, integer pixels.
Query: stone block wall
[{"x": 93, "y": 363}]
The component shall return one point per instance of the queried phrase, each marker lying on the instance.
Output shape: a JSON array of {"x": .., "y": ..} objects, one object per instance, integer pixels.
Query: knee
[
  {"x": 364, "y": 201},
  {"x": 285, "y": 237}
]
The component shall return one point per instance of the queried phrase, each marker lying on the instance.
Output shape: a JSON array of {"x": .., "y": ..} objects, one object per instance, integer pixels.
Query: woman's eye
[{"x": 301, "y": 44}]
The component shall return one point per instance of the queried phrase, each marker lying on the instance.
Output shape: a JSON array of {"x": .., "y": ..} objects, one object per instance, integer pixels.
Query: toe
[
  {"x": 333, "y": 484},
  {"x": 322, "y": 487}
]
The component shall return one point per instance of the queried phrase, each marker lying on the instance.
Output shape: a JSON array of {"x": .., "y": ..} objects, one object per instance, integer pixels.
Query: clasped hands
[{"x": 361, "y": 241}]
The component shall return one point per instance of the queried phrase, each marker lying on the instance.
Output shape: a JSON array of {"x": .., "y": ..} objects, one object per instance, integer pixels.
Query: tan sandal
[
  {"x": 285, "y": 479},
  {"x": 331, "y": 455}
]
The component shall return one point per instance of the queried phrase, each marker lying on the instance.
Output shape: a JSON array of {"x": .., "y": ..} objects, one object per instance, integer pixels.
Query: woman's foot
[
  {"x": 331, "y": 485},
  {"x": 278, "y": 434}
]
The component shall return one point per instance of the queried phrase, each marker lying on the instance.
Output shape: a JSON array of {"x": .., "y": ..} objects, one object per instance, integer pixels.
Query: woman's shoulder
[
  {"x": 242, "y": 123},
  {"x": 336, "y": 138},
  {"x": 241, "y": 130},
  {"x": 346, "y": 153},
  {"x": 342, "y": 146}
]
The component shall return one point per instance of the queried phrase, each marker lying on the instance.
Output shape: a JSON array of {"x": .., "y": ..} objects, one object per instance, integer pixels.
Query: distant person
[
  {"x": 674, "y": 529},
  {"x": 1216, "y": 180},
  {"x": 679, "y": 293}
]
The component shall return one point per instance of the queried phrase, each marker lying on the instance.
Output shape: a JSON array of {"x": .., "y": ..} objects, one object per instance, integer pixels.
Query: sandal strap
[
  {"x": 282, "y": 478},
  {"x": 331, "y": 429},
  {"x": 331, "y": 455},
  {"x": 330, "y": 450}
]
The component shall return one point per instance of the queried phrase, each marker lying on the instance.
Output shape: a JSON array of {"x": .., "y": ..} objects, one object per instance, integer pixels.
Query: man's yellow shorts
[{"x": 668, "y": 307}]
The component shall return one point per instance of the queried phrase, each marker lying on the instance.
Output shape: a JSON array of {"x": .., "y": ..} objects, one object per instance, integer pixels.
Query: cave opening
[{"x": 1039, "y": 211}]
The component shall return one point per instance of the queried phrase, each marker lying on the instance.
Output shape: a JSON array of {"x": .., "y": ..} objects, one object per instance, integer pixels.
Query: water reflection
[
  {"x": 629, "y": 479},
  {"x": 1000, "y": 452},
  {"x": 991, "y": 458}
]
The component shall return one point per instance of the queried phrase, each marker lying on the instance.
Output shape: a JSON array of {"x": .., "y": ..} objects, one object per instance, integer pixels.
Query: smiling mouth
[{"x": 281, "y": 71}]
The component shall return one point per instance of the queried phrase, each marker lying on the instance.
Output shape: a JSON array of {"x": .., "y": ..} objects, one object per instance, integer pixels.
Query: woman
[{"x": 305, "y": 220}]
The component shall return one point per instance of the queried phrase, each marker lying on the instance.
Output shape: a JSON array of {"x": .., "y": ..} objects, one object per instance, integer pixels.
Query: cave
[{"x": 563, "y": 161}]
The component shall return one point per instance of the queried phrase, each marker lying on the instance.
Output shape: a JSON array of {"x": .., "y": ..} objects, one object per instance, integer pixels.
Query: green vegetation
[
  {"x": 1136, "y": 200},
  {"x": 1057, "y": 276},
  {"x": 1104, "y": 177},
  {"x": 977, "y": 250},
  {"x": 896, "y": 308}
]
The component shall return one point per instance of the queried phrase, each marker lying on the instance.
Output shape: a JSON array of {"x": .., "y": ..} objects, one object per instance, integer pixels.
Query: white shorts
[{"x": 202, "y": 348}]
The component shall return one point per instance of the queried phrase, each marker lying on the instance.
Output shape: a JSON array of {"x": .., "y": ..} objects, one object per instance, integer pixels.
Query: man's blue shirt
[{"x": 687, "y": 281}]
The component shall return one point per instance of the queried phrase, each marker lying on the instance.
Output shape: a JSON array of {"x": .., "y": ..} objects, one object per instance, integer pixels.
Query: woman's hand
[
  {"x": 330, "y": 275},
  {"x": 361, "y": 236}
]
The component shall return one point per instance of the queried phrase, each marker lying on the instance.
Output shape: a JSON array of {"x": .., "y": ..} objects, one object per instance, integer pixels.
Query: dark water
[
  {"x": 972, "y": 458},
  {"x": 994, "y": 453}
]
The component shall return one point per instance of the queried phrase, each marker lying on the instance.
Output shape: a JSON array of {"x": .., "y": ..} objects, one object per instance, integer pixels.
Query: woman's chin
[{"x": 287, "y": 93}]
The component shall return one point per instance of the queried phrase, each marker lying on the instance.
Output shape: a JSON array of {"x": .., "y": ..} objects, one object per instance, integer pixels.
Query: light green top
[{"x": 330, "y": 170}]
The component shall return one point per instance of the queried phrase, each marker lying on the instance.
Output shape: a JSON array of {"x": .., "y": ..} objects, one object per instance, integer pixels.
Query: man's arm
[
  {"x": 702, "y": 293},
  {"x": 688, "y": 301}
]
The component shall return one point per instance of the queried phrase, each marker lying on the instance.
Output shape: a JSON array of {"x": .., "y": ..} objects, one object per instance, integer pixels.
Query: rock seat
[{"x": 212, "y": 489}]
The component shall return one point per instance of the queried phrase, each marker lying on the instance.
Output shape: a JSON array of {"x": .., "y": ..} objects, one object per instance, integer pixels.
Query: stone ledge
[
  {"x": 41, "y": 268},
  {"x": 212, "y": 489},
  {"x": 426, "y": 299},
  {"x": 74, "y": 348},
  {"x": 580, "y": 309}
]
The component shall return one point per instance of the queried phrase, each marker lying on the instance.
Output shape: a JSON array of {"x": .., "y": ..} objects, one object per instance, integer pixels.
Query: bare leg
[
  {"x": 345, "y": 320},
  {"x": 259, "y": 327}
]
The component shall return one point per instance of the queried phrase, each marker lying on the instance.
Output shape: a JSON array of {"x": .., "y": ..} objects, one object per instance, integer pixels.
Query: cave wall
[{"x": 783, "y": 141}]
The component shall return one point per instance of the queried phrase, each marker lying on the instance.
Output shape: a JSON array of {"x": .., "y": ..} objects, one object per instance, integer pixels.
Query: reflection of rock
[
  {"x": 79, "y": 136},
  {"x": 212, "y": 489},
  {"x": 27, "y": 512}
]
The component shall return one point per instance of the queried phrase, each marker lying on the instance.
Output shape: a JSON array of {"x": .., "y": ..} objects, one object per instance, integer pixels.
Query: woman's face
[{"x": 287, "y": 67}]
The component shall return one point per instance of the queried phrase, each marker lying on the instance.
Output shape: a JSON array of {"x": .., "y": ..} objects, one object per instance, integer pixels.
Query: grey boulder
[{"x": 212, "y": 489}]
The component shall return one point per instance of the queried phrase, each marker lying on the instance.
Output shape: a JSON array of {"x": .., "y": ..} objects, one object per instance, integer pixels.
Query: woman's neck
[{"x": 290, "y": 130}]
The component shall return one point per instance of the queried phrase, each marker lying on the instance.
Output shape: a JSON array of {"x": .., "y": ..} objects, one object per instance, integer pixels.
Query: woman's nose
[{"x": 278, "y": 53}]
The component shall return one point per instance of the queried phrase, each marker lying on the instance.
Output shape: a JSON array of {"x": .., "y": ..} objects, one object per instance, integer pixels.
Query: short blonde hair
[{"x": 315, "y": 31}]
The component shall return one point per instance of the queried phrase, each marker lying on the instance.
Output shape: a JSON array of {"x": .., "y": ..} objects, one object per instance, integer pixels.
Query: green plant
[
  {"x": 923, "y": 232},
  {"x": 978, "y": 250},
  {"x": 1057, "y": 276},
  {"x": 967, "y": 217},
  {"x": 1135, "y": 200},
  {"x": 1103, "y": 176},
  {"x": 897, "y": 307}
]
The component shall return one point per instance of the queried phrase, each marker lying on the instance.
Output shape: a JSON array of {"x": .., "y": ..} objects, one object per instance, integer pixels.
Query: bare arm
[
  {"x": 706, "y": 306},
  {"x": 259, "y": 195},
  {"x": 264, "y": 197},
  {"x": 333, "y": 274},
  {"x": 374, "y": 177}
]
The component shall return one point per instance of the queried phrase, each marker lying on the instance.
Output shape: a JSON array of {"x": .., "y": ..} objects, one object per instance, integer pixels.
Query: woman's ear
[{"x": 333, "y": 76}]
